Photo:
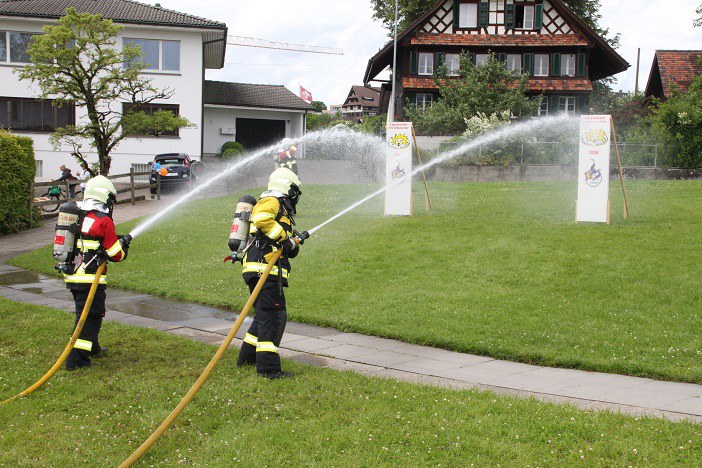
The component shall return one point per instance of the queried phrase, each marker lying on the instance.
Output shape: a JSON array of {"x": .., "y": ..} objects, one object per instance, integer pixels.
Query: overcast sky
[{"x": 348, "y": 24}]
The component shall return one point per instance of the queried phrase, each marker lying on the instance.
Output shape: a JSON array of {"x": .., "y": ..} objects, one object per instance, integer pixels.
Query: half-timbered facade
[
  {"x": 360, "y": 103},
  {"x": 543, "y": 38}
]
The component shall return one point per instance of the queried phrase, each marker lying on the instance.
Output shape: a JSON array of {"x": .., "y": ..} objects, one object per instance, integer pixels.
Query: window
[
  {"x": 40, "y": 168},
  {"x": 13, "y": 46},
  {"x": 157, "y": 54},
  {"x": 524, "y": 16},
  {"x": 34, "y": 115},
  {"x": 541, "y": 64},
  {"x": 426, "y": 63},
  {"x": 514, "y": 63},
  {"x": 566, "y": 105},
  {"x": 468, "y": 15},
  {"x": 150, "y": 109},
  {"x": 568, "y": 65},
  {"x": 424, "y": 100},
  {"x": 543, "y": 108},
  {"x": 481, "y": 59},
  {"x": 453, "y": 64}
]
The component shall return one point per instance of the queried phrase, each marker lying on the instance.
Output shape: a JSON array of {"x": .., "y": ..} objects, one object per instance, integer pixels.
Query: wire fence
[{"x": 550, "y": 153}]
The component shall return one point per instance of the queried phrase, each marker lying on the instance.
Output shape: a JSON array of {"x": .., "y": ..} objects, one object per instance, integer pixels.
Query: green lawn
[
  {"x": 496, "y": 269},
  {"x": 99, "y": 416}
]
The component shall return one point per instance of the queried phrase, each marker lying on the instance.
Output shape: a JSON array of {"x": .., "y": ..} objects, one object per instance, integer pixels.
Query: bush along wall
[{"x": 17, "y": 169}]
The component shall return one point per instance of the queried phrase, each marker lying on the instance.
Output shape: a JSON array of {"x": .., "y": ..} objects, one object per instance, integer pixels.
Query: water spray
[{"x": 504, "y": 132}]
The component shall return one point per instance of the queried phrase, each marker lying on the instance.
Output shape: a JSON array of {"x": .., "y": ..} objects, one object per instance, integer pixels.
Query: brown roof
[
  {"x": 501, "y": 40},
  {"x": 126, "y": 11},
  {"x": 604, "y": 60},
  {"x": 252, "y": 95},
  {"x": 534, "y": 84},
  {"x": 673, "y": 69},
  {"x": 368, "y": 97}
]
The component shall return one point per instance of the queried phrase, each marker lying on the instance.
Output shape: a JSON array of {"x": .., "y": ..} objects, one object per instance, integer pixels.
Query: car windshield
[{"x": 169, "y": 163}]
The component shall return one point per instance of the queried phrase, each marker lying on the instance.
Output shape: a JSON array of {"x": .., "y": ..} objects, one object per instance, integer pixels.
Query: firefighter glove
[{"x": 289, "y": 245}]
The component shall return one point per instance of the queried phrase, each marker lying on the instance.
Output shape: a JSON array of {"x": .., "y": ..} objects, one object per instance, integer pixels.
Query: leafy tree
[
  {"x": 319, "y": 121},
  {"x": 78, "y": 61},
  {"x": 487, "y": 89},
  {"x": 680, "y": 120},
  {"x": 319, "y": 106},
  {"x": 373, "y": 124}
]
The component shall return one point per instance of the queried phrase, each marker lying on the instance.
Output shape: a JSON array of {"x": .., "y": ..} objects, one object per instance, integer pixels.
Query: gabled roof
[
  {"x": 673, "y": 69},
  {"x": 126, "y": 12},
  {"x": 252, "y": 95},
  {"x": 608, "y": 61},
  {"x": 369, "y": 97}
]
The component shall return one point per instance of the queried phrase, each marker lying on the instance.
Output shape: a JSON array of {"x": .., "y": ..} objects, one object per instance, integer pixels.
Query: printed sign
[
  {"x": 398, "y": 169},
  {"x": 593, "y": 169}
]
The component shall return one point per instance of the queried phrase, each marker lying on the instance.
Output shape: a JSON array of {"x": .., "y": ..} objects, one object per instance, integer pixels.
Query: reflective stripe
[
  {"x": 84, "y": 345},
  {"x": 275, "y": 232},
  {"x": 115, "y": 249},
  {"x": 250, "y": 339},
  {"x": 259, "y": 267},
  {"x": 261, "y": 216},
  {"x": 266, "y": 347},
  {"x": 84, "y": 278},
  {"x": 88, "y": 244}
]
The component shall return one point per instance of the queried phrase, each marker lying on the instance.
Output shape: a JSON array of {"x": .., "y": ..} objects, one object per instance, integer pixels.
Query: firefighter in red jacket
[
  {"x": 272, "y": 229},
  {"x": 97, "y": 242}
]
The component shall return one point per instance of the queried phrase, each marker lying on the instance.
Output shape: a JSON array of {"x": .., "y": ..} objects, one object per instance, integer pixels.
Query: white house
[{"x": 181, "y": 48}]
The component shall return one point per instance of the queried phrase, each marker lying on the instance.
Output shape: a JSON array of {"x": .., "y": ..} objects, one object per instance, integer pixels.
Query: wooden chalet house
[
  {"x": 361, "y": 102},
  {"x": 544, "y": 38}
]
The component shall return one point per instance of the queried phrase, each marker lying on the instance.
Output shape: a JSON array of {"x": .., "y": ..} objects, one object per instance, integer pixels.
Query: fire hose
[
  {"x": 134, "y": 457},
  {"x": 71, "y": 342}
]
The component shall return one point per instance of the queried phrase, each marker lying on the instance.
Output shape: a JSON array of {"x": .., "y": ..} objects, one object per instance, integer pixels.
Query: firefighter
[
  {"x": 286, "y": 156},
  {"x": 97, "y": 242},
  {"x": 272, "y": 229}
]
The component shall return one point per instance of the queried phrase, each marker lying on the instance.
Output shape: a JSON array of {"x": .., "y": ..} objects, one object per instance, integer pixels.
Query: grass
[
  {"x": 494, "y": 269},
  {"x": 98, "y": 416}
]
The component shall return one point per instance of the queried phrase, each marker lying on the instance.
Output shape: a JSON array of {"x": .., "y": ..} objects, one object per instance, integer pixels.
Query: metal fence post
[
  {"x": 158, "y": 185},
  {"x": 655, "y": 159},
  {"x": 131, "y": 184},
  {"x": 521, "y": 160}
]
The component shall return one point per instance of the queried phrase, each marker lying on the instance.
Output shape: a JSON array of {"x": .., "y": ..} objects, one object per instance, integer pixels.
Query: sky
[{"x": 349, "y": 25}]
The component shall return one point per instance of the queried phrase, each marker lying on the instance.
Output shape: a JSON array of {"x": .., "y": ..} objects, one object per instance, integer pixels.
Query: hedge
[{"x": 17, "y": 169}]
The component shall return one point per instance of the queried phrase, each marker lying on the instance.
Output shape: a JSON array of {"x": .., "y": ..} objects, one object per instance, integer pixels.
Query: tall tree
[{"x": 79, "y": 62}]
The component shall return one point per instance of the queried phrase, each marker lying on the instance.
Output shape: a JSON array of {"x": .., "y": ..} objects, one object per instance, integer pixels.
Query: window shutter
[
  {"x": 414, "y": 63},
  {"x": 581, "y": 104},
  {"x": 553, "y": 105},
  {"x": 555, "y": 64},
  {"x": 539, "y": 17},
  {"x": 582, "y": 70},
  {"x": 411, "y": 98},
  {"x": 484, "y": 14},
  {"x": 439, "y": 60},
  {"x": 529, "y": 64},
  {"x": 509, "y": 16},
  {"x": 501, "y": 57},
  {"x": 456, "y": 13},
  {"x": 471, "y": 57}
]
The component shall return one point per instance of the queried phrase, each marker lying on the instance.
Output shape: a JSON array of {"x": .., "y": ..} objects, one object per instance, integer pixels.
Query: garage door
[{"x": 257, "y": 133}]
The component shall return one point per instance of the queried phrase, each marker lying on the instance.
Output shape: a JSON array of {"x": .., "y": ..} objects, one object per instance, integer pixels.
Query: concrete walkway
[{"x": 366, "y": 355}]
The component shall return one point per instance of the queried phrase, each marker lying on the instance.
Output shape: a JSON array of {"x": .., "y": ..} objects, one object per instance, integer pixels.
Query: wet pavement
[{"x": 380, "y": 357}]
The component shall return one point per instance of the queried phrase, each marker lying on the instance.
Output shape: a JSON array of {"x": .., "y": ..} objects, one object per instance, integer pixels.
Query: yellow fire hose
[
  {"x": 71, "y": 342},
  {"x": 134, "y": 457}
]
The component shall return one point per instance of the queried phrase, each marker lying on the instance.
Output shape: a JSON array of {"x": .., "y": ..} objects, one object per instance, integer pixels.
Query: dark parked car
[{"x": 175, "y": 170}]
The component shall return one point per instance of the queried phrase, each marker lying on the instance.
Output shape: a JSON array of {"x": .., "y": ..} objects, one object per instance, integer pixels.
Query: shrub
[
  {"x": 232, "y": 145},
  {"x": 17, "y": 169}
]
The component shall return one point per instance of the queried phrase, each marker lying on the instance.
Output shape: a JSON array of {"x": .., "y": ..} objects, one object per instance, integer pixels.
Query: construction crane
[{"x": 244, "y": 41}]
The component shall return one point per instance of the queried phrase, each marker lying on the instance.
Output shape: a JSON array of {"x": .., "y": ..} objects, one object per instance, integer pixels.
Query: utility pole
[
  {"x": 638, "y": 63},
  {"x": 391, "y": 104}
]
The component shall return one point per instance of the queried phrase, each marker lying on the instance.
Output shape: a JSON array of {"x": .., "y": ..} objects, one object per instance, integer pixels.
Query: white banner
[
  {"x": 593, "y": 168},
  {"x": 398, "y": 165}
]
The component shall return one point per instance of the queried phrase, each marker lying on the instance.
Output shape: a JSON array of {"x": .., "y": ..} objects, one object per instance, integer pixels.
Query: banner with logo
[
  {"x": 398, "y": 169},
  {"x": 593, "y": 169}
]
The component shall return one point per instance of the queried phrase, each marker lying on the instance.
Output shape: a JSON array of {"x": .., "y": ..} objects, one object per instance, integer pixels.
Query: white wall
[
  {"x": 217, "y": 117},
  {"x": 187, "y": 86}
]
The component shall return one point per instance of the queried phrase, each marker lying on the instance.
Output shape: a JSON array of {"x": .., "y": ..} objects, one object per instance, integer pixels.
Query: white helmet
[
  {"x": 287, "y": 182},
  {"x": 287, "y": 142},
  {"x": 101, "y": 189}
]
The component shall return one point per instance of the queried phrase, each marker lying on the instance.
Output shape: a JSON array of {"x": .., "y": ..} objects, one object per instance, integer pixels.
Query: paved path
[{"x": 366, "y": 355}]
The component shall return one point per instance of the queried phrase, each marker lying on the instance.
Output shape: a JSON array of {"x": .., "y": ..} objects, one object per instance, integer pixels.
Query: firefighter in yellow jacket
[{"x": 272, "y": 229}]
